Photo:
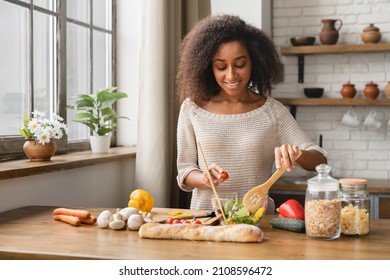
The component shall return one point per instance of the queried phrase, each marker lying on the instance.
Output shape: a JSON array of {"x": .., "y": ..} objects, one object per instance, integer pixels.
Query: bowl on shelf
[
  {"x": 313, "y": 92},
  {"x": 302, "y": 41}
]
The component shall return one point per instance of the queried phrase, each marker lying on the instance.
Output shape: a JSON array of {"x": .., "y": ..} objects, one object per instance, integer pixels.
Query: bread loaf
[{"x": 228, "y": 233}]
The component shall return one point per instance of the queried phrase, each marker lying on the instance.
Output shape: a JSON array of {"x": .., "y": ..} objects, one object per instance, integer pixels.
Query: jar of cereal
[
  {"x": 355, "y": 206},
  {"x": 322, "y": 205}
]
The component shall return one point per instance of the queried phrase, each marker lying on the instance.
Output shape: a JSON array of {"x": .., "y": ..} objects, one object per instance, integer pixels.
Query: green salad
[{"x": 236, "y": 213}]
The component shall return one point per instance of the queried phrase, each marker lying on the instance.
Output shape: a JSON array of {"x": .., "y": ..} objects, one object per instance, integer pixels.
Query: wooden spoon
[{"x": 255, "y": 197}]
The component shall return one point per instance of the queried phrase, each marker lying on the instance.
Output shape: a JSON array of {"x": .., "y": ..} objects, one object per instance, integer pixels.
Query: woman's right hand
[{"x": 217, "y": 174}]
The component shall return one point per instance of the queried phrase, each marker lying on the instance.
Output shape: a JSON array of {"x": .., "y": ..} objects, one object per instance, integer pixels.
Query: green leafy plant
[{"x": 96, "y": 112}]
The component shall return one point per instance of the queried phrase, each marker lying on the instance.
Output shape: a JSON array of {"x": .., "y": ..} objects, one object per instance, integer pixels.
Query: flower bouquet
[
  {"x": 39, "y": 133},
  {"x": 42, "y": 129}
]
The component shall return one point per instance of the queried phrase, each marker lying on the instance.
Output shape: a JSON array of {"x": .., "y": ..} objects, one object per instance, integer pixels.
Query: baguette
[{"x": 228, "y": 233}]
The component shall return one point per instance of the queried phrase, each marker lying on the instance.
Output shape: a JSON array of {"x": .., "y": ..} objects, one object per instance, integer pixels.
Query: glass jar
[
  {"x": 323, "y": 205},
  {"x": 355, "y": 206}
]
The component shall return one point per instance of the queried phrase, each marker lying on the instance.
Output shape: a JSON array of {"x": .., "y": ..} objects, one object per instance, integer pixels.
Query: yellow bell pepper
[
  {"x": 141, "y": 200},
  {"x": 259, "y": 213}
]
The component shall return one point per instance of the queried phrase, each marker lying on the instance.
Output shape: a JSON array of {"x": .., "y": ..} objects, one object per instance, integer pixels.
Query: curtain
[{"x": 163, "y": 25}]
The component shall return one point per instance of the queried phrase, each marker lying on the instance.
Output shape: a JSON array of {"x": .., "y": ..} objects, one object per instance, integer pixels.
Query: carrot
[
  {"x": 74, "y": 221},
  {"x": 72, "y": 212},
  {"x": 91, "y": 220}
]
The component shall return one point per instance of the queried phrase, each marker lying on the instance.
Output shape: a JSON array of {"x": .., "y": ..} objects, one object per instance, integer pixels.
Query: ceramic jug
[{"x": 329, "y": 33}]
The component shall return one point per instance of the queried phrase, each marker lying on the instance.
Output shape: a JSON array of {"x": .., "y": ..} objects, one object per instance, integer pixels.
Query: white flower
[{"x": 42, "y": 129}]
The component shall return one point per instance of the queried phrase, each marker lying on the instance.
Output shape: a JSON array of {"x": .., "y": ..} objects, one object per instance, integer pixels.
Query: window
[{"x": 52, "y": 50}]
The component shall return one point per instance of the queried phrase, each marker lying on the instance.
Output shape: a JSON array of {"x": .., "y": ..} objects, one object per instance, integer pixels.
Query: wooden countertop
[
  {"x": 374, "y": 186},
  {"x": 31, "y": 233}
]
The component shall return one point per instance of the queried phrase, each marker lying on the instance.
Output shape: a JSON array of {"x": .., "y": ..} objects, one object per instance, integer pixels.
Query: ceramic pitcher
[{"x": 330, "y": 33}]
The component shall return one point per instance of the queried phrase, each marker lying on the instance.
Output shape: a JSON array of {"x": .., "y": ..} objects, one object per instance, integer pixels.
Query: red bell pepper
[{"x": 291, "y": 209}]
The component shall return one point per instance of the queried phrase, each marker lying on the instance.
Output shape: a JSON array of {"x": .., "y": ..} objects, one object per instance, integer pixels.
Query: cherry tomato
[
  {"x": 176, "y": 221},
  {"x": 197, "y": 222},
  {"x": 170, "y": 220},
  {"x": 186, "y": 222},
  {"x": 224, "y": 175}
]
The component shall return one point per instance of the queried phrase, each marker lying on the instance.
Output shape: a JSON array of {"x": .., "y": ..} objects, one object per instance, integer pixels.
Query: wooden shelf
[
  {"x": 332, "y": 49},
  {"x": 301, "y": 51},
  {"x": 334, "y": 102}
]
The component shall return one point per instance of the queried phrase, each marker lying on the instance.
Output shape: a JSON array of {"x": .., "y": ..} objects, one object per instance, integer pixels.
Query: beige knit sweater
[{"x": 242, "y": 144}]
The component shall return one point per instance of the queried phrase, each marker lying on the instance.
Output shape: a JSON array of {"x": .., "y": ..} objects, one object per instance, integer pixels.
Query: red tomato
[
  {"x": 197, "y": 222},
  {"x": 176, "y": 221},
  {"x": 224, "y": 175},
  {"x": 170, "y": 220},
  {"x": 186, "y": 222}
]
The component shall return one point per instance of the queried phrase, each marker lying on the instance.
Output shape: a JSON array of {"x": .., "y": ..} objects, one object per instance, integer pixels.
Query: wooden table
[{"x": 31, "y": 233}]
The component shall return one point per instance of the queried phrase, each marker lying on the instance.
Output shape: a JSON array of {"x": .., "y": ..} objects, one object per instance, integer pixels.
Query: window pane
[
  {"x": 78, "y": 10},
  {"x": 50, "y": 5},
  {"x": 102, "y": 60},
  {"x": 78, "y": 78},
  {"x": 45, "y": 70},
  {"x": 102, "y": 13},
  {"x": 14, "y": 79}
]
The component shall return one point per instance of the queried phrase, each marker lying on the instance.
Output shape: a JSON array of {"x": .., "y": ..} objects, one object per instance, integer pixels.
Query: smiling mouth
[{"x": 232, "y": 85}]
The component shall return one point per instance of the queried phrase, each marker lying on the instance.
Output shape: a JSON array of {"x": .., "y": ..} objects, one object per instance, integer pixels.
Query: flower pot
[
  {"x": 100, "y": 143},
  {"x": 35, "y": 151}
]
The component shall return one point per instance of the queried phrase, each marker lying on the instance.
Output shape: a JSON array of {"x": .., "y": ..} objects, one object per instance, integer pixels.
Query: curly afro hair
[{"x": 195, "y": 78}]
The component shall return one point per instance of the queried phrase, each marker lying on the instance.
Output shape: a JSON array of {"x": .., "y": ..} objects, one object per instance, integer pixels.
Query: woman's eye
[{"x": 240, "y": 66}]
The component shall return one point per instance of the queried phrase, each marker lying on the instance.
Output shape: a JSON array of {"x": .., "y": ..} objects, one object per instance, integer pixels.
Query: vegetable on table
[
  {"x": 135, "y": 221},
  {"x": 291, "y": 209},
  {"x": 90, "y": 221},
  {"x": 72, "y": 220},
  {"x": 141, "y": 200},
  {"x": 290, "y": 224},
  {"x": 118, "y": 222},
  {"x": 72, "y": 212}
]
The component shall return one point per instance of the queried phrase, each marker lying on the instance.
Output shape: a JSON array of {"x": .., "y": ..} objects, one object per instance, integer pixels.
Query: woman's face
[{"x": 232, "y": 68}]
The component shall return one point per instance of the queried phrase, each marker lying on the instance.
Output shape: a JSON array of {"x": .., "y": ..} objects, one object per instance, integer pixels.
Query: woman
[{"x": 225, "y": 77}]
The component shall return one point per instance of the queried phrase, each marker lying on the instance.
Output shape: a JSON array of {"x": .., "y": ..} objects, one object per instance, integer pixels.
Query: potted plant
[
  {"x": 39, "y": 132},
  {"x": 96, "y": 112}
]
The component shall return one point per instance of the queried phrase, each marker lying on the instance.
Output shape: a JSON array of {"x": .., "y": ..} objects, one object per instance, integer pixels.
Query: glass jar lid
[
  {"x": 323, "y": 181},
  {"x": 353, "y": 183}
]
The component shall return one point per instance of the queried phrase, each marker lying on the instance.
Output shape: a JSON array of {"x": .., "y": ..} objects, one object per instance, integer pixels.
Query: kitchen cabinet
[{"x": 301, "y": 51}]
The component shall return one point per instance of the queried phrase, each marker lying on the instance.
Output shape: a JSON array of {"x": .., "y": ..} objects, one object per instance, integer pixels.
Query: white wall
[
  {"x": 255, "y": 12},
  {"x": 358, "y": 152},
  {"x": 105, "y": 185}
]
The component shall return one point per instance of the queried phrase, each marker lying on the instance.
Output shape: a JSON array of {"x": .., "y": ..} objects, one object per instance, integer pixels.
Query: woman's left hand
[{"x": 287, "y": 155}]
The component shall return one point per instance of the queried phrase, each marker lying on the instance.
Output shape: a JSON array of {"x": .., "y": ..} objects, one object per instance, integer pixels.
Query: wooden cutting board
[{"x": 162, "y": 214}]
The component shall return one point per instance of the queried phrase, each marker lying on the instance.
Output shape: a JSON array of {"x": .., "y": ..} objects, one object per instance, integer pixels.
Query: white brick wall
[{"x": 358, "y": 152}]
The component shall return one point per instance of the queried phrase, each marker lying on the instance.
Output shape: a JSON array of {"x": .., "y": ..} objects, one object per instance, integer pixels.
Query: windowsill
[{"x": 25, "y": 167}]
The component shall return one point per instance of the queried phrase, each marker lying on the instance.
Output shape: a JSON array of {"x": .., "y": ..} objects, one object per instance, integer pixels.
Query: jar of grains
[
  {"x": 355, "y": 206},
  {"x": 323, "y": 205}
]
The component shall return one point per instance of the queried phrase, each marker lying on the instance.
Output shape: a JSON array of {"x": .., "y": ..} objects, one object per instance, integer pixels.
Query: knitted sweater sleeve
[{"x": 186, "y": 143}]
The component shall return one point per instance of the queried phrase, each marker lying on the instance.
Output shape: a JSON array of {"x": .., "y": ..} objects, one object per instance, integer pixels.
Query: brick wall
[{"x": 358, "y": 152}]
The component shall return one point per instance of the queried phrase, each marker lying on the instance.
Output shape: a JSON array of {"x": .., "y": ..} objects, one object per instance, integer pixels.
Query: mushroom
[
  {"x": 118, "y": 222},
  {"x": 105, "y": 218},
  {"x": 135, "y": 221},
  {"x": 126, "y": 212}
]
